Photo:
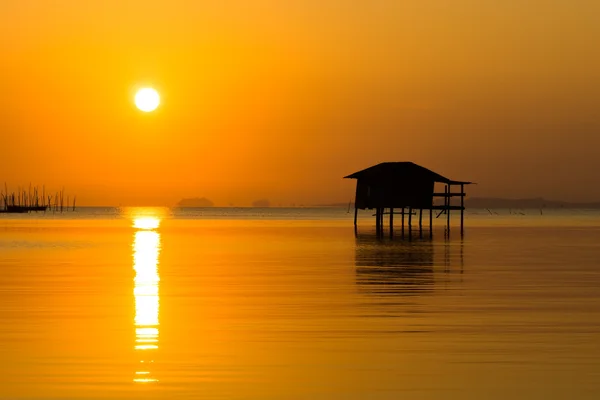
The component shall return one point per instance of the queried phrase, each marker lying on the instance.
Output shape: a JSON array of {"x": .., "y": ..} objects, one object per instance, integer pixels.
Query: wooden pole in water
[
  {"x": 74, "y": 198},
  {"x": 402, "y": 221},
  {"x": 448, "y": 207},
  {"x": 355, "y": 213},
  {"x": 431, "y": 221},
  {"x": 462, "y": 208},
  {"x": 391, "y": 222},
  {"x": 420, "y": 222},
  {"x": 409, "y": 220}
]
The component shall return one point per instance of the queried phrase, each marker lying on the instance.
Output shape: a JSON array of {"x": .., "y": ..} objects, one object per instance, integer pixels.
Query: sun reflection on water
[{"x": 146, "y": 248}]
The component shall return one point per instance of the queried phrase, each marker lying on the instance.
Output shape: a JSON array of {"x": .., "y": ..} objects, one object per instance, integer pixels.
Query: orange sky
[{"x": 279, "y": 100}]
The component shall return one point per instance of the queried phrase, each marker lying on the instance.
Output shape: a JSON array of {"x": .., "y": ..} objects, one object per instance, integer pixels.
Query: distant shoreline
[
  {"x": 499, "y": 202},
  {"x": 527, "y": 203},
  {"x": 474, "y": 203}
]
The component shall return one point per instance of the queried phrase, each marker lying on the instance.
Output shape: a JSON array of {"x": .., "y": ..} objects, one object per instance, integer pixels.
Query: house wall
[{"x": 394, "y": 194}]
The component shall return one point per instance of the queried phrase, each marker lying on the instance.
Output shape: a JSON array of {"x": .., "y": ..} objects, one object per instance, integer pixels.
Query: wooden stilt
[
  {"x": 447, "y": 190},
  {"x": 462, "y": 208},
  {"x": 377, "y": 221},
  {"x": 431, "y": 222},
  {"x": 420, "y": 222},
  {"x": 402, "y": 221},
  {"x": 355, "y": 215},
  {"x": 391, "y": 222},
  {"x": 409, "y": 220}
]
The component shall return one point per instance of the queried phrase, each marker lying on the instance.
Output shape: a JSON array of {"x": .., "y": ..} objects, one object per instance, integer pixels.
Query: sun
[{"x": 147, "y": 99}]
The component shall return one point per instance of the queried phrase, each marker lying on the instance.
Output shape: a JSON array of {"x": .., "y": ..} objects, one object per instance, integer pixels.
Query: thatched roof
[{"x": 401, "y": 170}]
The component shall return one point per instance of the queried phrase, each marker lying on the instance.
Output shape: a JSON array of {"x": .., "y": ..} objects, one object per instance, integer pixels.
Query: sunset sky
[{"x": 281, "y": 99}]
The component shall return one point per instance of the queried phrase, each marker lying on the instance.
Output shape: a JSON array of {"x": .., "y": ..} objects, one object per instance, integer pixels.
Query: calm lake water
[{"x": 289, "y": 304}]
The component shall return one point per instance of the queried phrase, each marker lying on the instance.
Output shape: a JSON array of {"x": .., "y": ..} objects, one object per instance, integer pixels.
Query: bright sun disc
[
  {"x": 147, "y": 99},
  {"x": 147, "y": 223}
]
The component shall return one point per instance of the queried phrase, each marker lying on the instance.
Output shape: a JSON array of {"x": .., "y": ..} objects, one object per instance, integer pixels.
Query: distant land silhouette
[
  {"x": 538, "y": 202},
  {"x": 498, "y": 202},
  {"x": 195, "y": 202},
  {"x": 472, "y": 202},
  {"x": 262, "y": 203}
]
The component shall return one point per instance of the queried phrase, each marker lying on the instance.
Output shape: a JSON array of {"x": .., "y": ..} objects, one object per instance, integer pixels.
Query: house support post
[
  {"x": 391, "y": 222},
  {"x": 431, "y": 221},
  {"x": 409, "y": 221},
  {"x": 462, "y": 209},
  {"x": 447, "y": 202},
  {"x": 420, "y": 222},
  {"x": 403, "y": 221}
]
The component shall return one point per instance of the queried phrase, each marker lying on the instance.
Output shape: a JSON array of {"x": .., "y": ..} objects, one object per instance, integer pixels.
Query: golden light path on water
[{"x": 146, "y": 248}]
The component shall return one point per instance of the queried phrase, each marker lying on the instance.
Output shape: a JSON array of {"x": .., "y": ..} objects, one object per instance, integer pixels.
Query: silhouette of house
[{"x": 405, "y": 186}]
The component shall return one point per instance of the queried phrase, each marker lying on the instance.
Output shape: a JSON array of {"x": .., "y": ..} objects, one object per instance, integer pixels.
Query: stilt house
[{"x": 404, "y": 186}]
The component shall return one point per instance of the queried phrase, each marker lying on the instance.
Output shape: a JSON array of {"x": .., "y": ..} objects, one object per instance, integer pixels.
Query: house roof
[{"x": 402, "y": 170}]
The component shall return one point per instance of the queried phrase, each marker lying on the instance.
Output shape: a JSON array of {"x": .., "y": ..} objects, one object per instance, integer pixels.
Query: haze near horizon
[{"x": 280, "y": 100}]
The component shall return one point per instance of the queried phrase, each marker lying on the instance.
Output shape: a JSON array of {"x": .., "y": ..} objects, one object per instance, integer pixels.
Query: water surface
[{"x": 272, "y": 304}]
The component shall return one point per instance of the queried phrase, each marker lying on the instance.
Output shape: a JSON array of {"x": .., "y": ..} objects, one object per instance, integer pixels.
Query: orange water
[{"x": 298, "y": 308}]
